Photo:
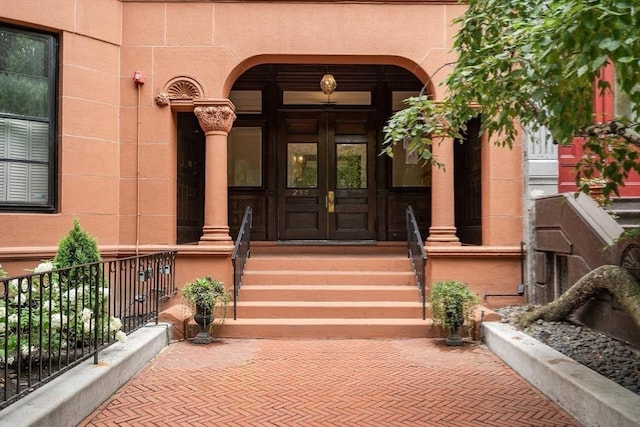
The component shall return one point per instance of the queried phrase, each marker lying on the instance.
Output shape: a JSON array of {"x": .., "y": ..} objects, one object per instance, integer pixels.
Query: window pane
[
  {"x": 18, "y": 182},
  {"x": 38, "y": 184},
  {"x": 4, "y": 178},
  {"x": 290, "y": 97},
  {"x": 247, "y": 101},
  {"x": 24, "y": 140},
  {"x": 27, "y": 81},
  {"x": 302, "y": 165},
  {"x": 351, "y": 167},
  {"x": 398, "y": 98},
  {"x": 408, "y": 170},
  {"x": 24, "y": 183},
  {"x": 244, "y": 160},
  {"x": 24, "y": 73},
  {"x": 623, "y": 105},
  {"x": 39, "y": 141}
]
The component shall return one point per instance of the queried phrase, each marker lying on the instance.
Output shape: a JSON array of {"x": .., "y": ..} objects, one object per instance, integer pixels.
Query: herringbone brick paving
[{"x": 394, "y": 382}]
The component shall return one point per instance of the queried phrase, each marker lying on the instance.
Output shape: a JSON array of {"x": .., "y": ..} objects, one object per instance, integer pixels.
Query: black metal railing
[
  {"x": 417, "y": 255},
  {"x": 53, "y": 319},
  {"x": 241, "y": 252}
]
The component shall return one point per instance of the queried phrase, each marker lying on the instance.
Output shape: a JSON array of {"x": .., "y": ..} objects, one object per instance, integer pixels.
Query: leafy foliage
[
  {"x": 46, "y": 315},
  {"x": 420, "y": 123},
  {"x": 76, "y": 248},
  {"x": 452, "y": 303},
  {"x": 536, "y": 64},
  {"x": 209, "y": 294}
]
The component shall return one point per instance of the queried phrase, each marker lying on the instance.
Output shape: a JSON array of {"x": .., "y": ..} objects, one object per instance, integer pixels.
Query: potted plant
[
  {"x": 452, "y": 304},
  {"x": 210, "y": 299}
]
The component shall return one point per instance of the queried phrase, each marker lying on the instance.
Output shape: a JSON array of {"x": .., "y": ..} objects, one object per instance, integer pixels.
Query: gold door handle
[{"x": 331, "y": 202}]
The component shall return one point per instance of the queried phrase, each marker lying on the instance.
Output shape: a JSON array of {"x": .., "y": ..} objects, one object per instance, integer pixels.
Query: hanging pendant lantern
[{"x": 328, "y": 84}]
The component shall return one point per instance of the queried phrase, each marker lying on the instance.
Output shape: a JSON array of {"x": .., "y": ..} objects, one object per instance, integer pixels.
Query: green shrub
[
  {"x": 453, "y": 304},
  {"x": 76, "y": 248},
  {"x": 55, "y": 311}
]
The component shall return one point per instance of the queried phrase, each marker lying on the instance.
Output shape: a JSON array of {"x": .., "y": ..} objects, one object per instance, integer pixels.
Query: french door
[{"x": 326, "y": 188}]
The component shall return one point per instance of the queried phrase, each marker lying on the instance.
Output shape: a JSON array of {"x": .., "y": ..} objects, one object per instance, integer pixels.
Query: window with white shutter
[{"x": 28, "y": 75}]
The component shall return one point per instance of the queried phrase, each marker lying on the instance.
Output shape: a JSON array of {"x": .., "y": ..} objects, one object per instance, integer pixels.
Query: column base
[
  {"x": 215, "y": 235},
  {"x": 442, "y": 236}
]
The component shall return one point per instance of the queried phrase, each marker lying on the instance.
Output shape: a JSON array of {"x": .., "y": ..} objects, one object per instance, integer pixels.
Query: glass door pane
[
  {"x": 351, "y": 166},
  {"x": 302, "y": 165},
  {"x": 244, "y": 159},
  {"x": 408, "y": 169}
]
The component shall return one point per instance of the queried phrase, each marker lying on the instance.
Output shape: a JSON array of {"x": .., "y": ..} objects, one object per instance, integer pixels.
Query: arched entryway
[
  {"x": 319, "y": 176},
  {"x": 308, "y": 163}
]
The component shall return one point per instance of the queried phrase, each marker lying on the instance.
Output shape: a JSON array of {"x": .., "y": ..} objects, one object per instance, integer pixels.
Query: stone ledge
[{"x": 587, "y": 396}]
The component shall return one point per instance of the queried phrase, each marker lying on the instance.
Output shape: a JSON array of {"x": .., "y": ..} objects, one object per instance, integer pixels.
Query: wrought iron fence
[
  {"x": 417, "y": 254},
  {"x": 53, "y": 319},
  {"x": 241, "y": 252}
]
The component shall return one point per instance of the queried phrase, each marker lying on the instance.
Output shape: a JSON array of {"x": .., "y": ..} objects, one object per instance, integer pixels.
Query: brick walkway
[{"x": 410, "y": 382}]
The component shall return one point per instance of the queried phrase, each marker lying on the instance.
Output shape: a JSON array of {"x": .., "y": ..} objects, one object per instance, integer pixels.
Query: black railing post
[
  {"x": 241, "y": 252},
  {"x": 417, "y": 254},
  {"x": 96, "y": 313},
  {"x": 157, "y": 287}
]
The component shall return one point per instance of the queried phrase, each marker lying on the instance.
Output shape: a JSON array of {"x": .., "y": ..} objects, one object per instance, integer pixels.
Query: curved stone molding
[
  {"x": 215, "y": 117},
  {"x": 180, "y": 90},
  {"x": 183, "y": 89}
]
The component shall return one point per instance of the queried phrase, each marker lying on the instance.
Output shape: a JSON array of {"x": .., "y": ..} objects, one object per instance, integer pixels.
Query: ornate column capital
[{"x": 215, "y": 115}]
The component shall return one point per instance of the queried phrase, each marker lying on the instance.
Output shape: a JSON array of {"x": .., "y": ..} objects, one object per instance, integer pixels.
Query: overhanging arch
[{"x": 381, "y": 77}]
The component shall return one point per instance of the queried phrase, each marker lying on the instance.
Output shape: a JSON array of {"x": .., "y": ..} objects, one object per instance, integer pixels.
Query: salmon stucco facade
[{"x": 160, "y": 121}]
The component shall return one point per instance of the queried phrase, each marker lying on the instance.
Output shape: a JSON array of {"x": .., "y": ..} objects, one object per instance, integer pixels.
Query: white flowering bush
[{"x": 43, "y": 316}]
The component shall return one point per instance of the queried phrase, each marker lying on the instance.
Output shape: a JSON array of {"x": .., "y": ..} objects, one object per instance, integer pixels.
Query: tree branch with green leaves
[{"x": 537, "y": 64}]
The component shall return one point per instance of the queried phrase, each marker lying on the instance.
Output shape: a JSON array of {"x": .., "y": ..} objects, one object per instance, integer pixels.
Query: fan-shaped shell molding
[
  {"x": 183, "y": 89},
  {"x": 179, "y": 89}
]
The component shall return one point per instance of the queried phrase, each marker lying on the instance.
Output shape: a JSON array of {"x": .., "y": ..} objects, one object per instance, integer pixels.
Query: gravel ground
[{"x": 611, "y": 358}]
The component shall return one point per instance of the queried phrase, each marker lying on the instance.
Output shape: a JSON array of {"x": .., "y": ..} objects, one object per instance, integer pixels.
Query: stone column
[
  {"x": 443, "y": 229},
  {"x": 216, "y": 117}
]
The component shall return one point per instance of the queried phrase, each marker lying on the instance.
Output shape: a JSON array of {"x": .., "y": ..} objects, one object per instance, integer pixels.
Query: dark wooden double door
[{"x": 326, "y": 178}]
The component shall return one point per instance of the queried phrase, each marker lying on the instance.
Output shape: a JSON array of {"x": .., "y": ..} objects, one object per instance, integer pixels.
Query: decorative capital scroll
[
  {"x": 216, "y": 117},
  {"x": 162, "y": 99}
]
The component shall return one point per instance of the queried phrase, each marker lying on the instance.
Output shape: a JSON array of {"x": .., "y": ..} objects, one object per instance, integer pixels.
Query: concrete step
[
  {"x": 325, "y": 262},
  {"x": 326, "y": 328},
  {"x": 358, "y": 291},
  {"x": 329, "y": 293},
  {"x": 624, "y": 203},
  {"x": 626, "y": 211},
  {"x": 329, "y": 310},
  {"x": 313, "y": 277},
  {"x": 627, "y": 218},
  {"x": 329, "y": 248}
]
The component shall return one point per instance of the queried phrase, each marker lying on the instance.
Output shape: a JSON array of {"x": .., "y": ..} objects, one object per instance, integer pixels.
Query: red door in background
[{"x": 569, "y": 155}]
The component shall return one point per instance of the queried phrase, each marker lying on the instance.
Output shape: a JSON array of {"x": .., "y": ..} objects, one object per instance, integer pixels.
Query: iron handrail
[
  {"x": 241, "y": 252},
  {"x": 417, "y": 255},
  {"x": 53, "y": 319}
]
